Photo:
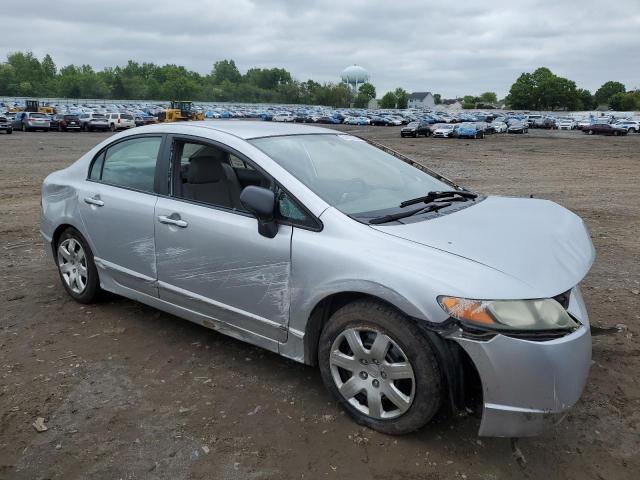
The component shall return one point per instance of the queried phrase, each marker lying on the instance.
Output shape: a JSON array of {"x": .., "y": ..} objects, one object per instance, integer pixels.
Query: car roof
[{"x": 247, "y": 129}]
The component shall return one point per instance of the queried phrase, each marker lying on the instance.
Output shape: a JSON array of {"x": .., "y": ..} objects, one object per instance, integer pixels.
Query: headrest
[{"x": 205, "y": 169}]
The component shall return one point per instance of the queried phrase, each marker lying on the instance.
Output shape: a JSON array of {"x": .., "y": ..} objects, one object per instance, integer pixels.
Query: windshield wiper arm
[
  {"x": 431, "y": 196},
  {"x": 397, "y": 216}
]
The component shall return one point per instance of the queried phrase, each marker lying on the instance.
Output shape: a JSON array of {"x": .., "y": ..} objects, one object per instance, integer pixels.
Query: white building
[{"x": 421, "y": 100}]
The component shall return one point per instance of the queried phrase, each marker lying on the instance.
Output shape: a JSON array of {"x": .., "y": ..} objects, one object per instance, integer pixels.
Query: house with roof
[{"x": 421, "y": 100}]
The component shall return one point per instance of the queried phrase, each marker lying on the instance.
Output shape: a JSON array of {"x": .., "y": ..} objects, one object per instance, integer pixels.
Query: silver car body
[{"x": 221, "y": 273}]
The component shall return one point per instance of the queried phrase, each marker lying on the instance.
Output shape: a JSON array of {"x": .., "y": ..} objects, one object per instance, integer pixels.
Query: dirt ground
[{"x": 129, "y": 392}]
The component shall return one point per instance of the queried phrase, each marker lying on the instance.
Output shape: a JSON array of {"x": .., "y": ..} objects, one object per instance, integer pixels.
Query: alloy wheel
[
  {"x": 72, "y": 262},
  {"x": 372, "y": 373}
]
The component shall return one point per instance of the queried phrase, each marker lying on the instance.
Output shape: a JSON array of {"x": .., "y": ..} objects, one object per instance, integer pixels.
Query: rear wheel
[
  {"x": 380, "y": 367},
  {"x": 10, "y": 131},
  {"x": 76, "y": 267},
  {"x": 113, "y": 127},
  {"x": 590, "y": 132},
  {"x": 24, "y": 128}
]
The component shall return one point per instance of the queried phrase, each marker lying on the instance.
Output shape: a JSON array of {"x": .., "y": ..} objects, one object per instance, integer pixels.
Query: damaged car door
[
  {"x": 211, "y": 258},
  {"x": 120, "y": 191}
]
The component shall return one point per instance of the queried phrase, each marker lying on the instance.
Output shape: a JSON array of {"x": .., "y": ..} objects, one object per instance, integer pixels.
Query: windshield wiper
[
  {"x": 431, "y": 196},
  {"x": 397, "y": 216}
]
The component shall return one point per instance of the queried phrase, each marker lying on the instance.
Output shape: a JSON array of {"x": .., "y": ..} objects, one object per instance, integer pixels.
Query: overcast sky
[{"x": 448, "y": 47}]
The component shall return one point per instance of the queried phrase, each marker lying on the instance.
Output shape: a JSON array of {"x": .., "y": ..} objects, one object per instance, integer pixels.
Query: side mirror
[{"x": 261, "y": 202}]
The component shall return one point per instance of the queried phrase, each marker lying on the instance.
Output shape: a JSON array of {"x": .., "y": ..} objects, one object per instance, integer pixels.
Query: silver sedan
[{"x": 405, "y": 289}]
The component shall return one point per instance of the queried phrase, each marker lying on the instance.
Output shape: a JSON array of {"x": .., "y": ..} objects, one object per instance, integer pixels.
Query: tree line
[
  {"x": 24, "y": 75},
  {"x": 543, "y": 90}
]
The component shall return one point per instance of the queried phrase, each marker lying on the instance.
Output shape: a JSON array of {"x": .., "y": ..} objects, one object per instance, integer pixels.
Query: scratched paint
[
  {"x": 270, "y": 283},
  {"x": 145, "y": 248}
]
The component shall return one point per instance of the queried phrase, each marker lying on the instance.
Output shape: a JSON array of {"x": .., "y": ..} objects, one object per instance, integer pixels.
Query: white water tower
[{"x": 354, "y": 76}]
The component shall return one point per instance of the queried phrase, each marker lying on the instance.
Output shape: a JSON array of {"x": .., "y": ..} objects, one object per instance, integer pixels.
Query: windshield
[{"x": 348, "y": 173}]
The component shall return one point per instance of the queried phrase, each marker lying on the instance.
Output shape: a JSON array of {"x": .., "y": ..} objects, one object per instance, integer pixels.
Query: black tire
[
  {"x": 589, "y": 132},
  {"x": 113, "y": 127},
  {"x": 92, "y": 289},
  {"x": 24, "y": 128},
  {"x": 9, "y": 131},
  {"x": 59, "y": 128},
  {"x": 372, "y": 315}
]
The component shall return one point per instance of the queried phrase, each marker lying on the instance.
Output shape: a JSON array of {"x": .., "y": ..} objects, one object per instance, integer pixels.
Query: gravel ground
[{"x": 129, "y": 392}]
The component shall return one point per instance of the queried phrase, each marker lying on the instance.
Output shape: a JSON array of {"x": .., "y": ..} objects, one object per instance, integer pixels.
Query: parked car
[
  {"x": 66, "y": 123},
  {"x": 630, "y": 125},
  {"x": 398, "y": 329},
  {"x": 379, "y": 121},
  {"x": 517, "y": 127},
  {"x": 414, "y": 129},
  {"x": 5, "y": 124},
  {"x": 31, "y": 121},
  {"x": 543, "y": 122},
  {"x": 120, "y": 121},
  {"x": 565, "y": 123},
  {"x": 443, "y": 130},
  {"x": 499, "y": 127},
  {"x": 532, "y": 119},
  {"x": 141, "y": 120},
  {"x": 283, "y": 117},
  {"x": 604, "y": 129},
  {"x": 90, "y": 122},
  {"x": 468, "y": 130}
]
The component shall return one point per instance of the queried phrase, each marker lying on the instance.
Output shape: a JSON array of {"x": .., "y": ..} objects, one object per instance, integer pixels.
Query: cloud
[{"x": 454, "y": 48}]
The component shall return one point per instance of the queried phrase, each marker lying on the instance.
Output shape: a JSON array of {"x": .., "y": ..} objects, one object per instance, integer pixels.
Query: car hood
[{"x": 538, "y": 242}]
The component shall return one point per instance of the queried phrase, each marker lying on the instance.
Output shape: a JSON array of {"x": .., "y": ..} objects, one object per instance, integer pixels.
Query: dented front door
[{"x": 214, "y": 262}]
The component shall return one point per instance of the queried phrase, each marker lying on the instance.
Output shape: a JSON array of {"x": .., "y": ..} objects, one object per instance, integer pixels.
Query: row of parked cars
[
  {"x": 464, "y": 129},
  {"x": 604, "y": 124},
  {"x": 89, "y": 122}
]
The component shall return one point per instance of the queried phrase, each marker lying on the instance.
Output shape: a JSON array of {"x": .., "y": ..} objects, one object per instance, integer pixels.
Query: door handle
[
  {"x": 94, "y": 201},
  {"x": 172, "y": 221}
]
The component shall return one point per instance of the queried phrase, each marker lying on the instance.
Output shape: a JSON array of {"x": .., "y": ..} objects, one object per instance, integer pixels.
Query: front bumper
[{"x": 528, "y": 386}]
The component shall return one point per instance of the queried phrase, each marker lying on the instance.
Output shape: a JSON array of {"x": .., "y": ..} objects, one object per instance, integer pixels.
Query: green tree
[
  {"x": 7, "y": 79},
  {"x": 226, "y": 70},
  {"x": 585, "y": 100},
  {"x": 607, "y": 90},
  {"x": 402, "y": 97},
  {"x": 49, "y": 69},
  {"x": 488, "y": 97},
  {"x": 368, "y": 90},
  {"x": 542, "y": 90},
  {"x": 624, "y": 102},
  {"x": 388, "y": 100},
  {"x": 437, "y": 98}
]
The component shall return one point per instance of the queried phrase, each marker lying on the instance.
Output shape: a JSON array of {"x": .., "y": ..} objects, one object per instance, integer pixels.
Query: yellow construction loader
[
  {"x": 34, "y": 106},
  {"x": 180, "y": 111}
]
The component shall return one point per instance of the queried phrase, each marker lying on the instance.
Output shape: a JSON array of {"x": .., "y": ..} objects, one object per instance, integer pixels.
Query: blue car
[{"x": 468, "y": 130}]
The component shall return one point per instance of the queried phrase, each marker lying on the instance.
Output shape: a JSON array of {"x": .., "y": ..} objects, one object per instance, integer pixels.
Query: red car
[{"x": 604, "y": 129}]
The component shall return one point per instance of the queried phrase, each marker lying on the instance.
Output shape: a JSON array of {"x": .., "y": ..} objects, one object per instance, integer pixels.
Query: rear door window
[{"x": 130, "y": 164}]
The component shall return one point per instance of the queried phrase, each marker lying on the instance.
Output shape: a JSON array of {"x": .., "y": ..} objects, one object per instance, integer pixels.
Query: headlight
[{"x": 543, "y": 314}]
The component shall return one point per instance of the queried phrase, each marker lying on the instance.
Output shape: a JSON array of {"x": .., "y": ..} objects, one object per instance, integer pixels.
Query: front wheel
[
  {"x": 76, "y": 267},
  {"x": 10, "y": 131},
  {"x": 113, "y": 127},
  {"x": 380, "y": 367}
]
